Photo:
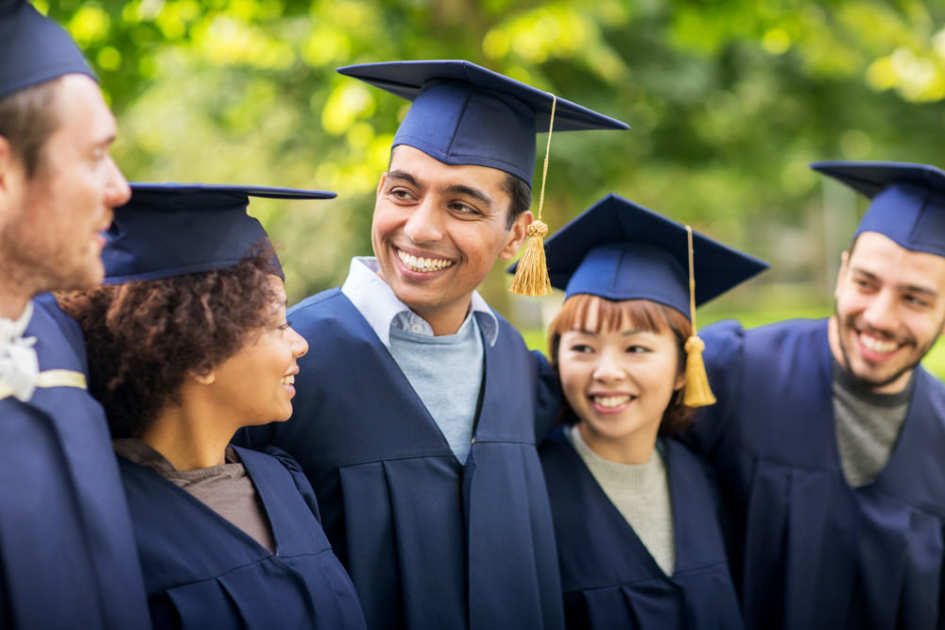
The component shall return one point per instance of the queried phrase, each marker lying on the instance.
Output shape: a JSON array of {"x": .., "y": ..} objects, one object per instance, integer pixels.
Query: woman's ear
[{"x": 204, "y": 378}]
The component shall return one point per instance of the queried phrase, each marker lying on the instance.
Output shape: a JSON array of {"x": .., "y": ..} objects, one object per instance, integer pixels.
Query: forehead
[
  {"x": 429, "y": 171},
  {"x": 82, "y": 110},
  {"x": 882, "y": 257}
]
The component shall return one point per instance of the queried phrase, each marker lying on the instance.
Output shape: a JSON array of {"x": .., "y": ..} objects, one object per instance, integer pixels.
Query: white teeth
[
  {"x": 611, "y": 401},
  {"x": 876, "y": 345},
  {"x": 415, "y": 263},
  {"x": 288, "y": 380}
]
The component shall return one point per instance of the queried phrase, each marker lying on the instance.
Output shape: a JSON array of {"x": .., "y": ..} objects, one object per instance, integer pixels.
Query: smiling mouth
[
  {"x": 878, "y": 346},
  {"x": 423, "y": 265},
  {"x": 288, "y": 380},
  {"x": 611, "y": 402}
]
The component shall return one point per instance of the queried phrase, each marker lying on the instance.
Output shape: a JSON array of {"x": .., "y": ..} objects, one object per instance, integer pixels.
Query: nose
[
  {"x": 608, "y": 367},
  {"x": 424, "y": 225},
  {"x": 117, "y": 191},
  {"x": 298, "y": 343},
  {"x": 880, "y": 313}
]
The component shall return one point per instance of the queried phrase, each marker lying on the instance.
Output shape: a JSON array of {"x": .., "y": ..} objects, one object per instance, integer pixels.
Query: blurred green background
[{"x": 728, "y": 102}]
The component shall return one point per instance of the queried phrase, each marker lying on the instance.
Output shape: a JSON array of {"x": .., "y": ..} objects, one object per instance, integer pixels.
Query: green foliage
[{"x": 729, "y": 101}]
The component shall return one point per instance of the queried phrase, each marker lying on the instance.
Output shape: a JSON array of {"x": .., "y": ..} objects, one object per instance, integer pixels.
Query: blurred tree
[{"x": 729, "y": 101}]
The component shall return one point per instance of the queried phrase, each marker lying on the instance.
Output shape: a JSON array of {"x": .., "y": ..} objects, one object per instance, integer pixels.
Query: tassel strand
[
  {"x": 697, "y": 392},
  {"x": 531, "y": 274}
]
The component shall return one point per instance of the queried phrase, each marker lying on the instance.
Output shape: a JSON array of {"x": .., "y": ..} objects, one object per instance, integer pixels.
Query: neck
[
  {"x": 190, "y": 435},
  {"x": 635, "y": 449},
  {"x": 13, "y": 298},
  {"x": 446, "y": 319}
]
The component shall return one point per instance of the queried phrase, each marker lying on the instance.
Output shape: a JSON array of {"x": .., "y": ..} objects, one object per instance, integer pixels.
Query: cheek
[
  {"x": 478, "y": 242},
  {"x": 385, "y": 220},
  {"x": 573, "y": 379}
]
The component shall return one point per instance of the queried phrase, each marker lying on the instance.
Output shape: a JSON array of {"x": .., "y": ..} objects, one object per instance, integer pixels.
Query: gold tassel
[
  {"x": 531, "y": 274},
  {"x": 697, "y": 393}
]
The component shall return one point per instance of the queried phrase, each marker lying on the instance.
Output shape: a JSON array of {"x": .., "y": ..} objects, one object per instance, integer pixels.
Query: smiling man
[
  {"x": 67, "y": 553},
  {"x": 415, "y": 407},
  {"x": 828, "y": 437}
]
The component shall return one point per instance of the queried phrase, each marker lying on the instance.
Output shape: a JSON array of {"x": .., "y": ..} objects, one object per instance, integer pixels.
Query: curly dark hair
[
  {"x": 613, "y": 314},
  {"x": 145, "y": 337}
]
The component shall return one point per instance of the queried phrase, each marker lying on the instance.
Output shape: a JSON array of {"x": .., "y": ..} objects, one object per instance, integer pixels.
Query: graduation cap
[
  {"x": 619, "y": 250},
  {"x": 908, "y": 200},
  {"x": 34, "y": 49},
  {"x": 170, "y": 229},
  {"x": 466, "y": 114},
  {"x": 463, "y": 113}
]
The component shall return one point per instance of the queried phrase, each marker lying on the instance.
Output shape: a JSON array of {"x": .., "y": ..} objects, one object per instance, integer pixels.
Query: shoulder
[
  {"x": 59, "y": 339},
  {"x": 728, "y": 338},
  {"x": 933, "y": 389},
  {"x": 313, "y": 305},
  {"x": 323, "y": 315}
]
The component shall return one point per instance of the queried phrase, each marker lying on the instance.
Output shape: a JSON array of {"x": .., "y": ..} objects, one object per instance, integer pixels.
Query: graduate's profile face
[
  {"x": 890, "y": 308},
  {"x": 619, "y": 382},
  {"x": 58, "y": 215},
  {"x": 437, "y": 231},
  {"x": 256, "y": 385}
]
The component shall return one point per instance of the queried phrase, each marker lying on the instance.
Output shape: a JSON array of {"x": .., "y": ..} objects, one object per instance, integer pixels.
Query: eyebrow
[
  {"x": 625, "y": 333},
  {"x": 475, "y": 193},
  {"x": 914, "y": 288},
  {"x": 404, "y": 175},
  {"x": 455, "y": 189}
]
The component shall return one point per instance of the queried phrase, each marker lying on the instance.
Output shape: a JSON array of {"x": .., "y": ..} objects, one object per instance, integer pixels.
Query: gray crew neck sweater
[
  {"x": 446, "y": 372},
  {"x": 640, "y": 492},
  {"x": 867, "y": 425}
]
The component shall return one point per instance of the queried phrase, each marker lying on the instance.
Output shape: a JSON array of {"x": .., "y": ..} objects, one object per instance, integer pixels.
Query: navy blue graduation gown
[
  {"x": 429, "y": 543},
  {"x": 67, "y": 554},
  {"x": 608, "y": 577},
  {"x": 808, "y": 550},
  {"x": 203, "y": 572}
]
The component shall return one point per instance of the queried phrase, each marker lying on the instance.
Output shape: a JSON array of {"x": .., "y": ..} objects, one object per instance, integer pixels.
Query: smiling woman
[
  {"x": 187, "y": 343},
  {"x": 638, "y": 538}
]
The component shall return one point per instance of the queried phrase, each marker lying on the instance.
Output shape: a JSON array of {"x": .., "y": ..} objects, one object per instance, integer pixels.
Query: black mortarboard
[
  {"x": 34, "y": 49},
  {"x": 465, "y": 114},
  {"x": 170, "y": 230},
  {"x": 908, "y": 200}
]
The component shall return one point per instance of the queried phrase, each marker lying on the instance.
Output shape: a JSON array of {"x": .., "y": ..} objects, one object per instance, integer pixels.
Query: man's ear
[
  {"x": 10, "y": 165},
  {"x": 517, "y": 235},
  {"x": 380, "y": 184},
  {"x": 842, "y": 272}
]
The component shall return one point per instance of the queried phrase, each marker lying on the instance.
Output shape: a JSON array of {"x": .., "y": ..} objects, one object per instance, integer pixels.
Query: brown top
[{"x": 226, "y": 489}]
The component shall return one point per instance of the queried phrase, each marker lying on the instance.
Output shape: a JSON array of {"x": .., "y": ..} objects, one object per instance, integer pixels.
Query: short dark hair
[
  {"x": 575, "y": 314},
  {"x": 520, "y": 194},
  {"x": 27, "y": 118},
  {"x": 144, "y": 338}
]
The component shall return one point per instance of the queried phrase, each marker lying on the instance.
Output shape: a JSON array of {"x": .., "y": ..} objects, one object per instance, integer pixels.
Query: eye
[
  {"x": 462, "y": 208},
  {"x": 581, "y": 348},
  {"x": 916, "y": 300},
  {"x": 637, "y": 349},
  {"x": 400, "y": 194}
]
